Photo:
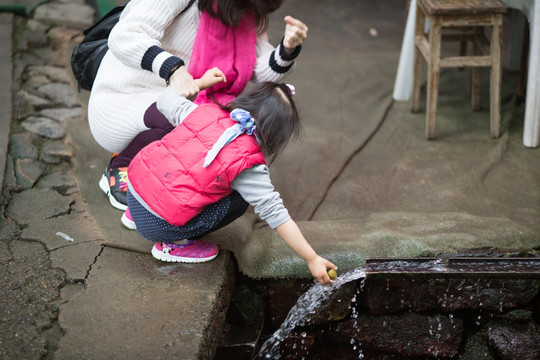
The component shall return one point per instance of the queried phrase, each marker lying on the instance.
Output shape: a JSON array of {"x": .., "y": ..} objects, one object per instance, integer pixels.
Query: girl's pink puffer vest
[{"x": 168, "y": 174}]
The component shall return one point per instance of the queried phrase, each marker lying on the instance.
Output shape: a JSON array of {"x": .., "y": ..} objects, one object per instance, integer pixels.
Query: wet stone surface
[
  {"x": 409, "y": 334},
  {"x": 515, "y": 340},
  {"x": 416, "y": 318},
  {"x": 385, "y": 296}
]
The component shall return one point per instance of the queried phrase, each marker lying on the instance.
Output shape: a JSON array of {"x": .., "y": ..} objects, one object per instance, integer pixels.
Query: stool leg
[
  {"x": 434, "y": 67},
  {"x": 418, "y": 59},
  {"x": 476, "y": 76},
  {"x": 495, "y": 81}
]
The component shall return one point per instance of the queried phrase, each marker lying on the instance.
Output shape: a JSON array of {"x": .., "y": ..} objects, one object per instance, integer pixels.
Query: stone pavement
[
  {"x": 76, "y": 284},
  {"x": 63, "y": 293}
]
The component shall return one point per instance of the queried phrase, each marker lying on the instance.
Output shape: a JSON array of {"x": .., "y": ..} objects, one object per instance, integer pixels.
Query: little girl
[{"x": 204, "y": 174}]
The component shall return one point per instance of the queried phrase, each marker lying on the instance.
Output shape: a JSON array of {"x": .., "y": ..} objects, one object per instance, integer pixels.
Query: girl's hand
[
  {"x": 183, "y": 82},
  {"x": 295, "y": 34},
  {"x": 210, "y": 78},
  {"x": 319, "y": 267}
]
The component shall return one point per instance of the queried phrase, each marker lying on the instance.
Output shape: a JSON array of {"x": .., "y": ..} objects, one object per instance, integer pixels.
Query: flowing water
[
  {"x": 301, "y": 313},
  {"x": 317, "y": 296}
]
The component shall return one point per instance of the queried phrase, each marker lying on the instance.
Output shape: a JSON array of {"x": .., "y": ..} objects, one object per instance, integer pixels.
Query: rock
[
  {"x": 33, "y": 100},
  {"x": 35, "y": 82},
  {"x": 61, "y": 37},
  {"x": 31, "y": 38},
  {"x": 337, "y": 307},
  {"x": 59, "y": 93},
  {"x": 297, "y": 344},
  {"x": 408, "y": 334},
  {"x": 54, "y": 73},
  {"x": 249, "y": 305},
  {"x": 29, "y": 298},
  {"x": 10, "y": 181},
  {"x": 63, "y": 181},
  {"x": 44, "y": 127},
  {"x": 55, "y": 151},
  {"x": 21, "y": 146},
  {"x": 43, "y": 203},
  {"x": 515, "y": 340},
  {"x": 50, "y": 56},
  {"x": 78, "y": 16},
  {"x": 387, "y": 296},
  {"x": 490, "y": 294},
  {"x": 477, "y": 348},
  {"x": 8, "y": 231},
  {"x": 282, "y": 296},
  {"x": 63, "y": 114},
  {"x": 28, "y": 171}
]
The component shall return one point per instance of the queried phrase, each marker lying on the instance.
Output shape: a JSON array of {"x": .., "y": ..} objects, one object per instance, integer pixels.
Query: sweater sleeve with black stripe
[{"x": 135, "y": 40}]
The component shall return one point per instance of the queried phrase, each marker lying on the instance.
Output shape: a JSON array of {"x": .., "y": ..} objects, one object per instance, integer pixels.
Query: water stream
[
  {"x": 301, "y": 313},
  {"x": 472, "y": 292}
]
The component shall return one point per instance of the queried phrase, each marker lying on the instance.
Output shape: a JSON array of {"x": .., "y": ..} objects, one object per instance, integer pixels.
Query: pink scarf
[{"x": 230, "y": 49}]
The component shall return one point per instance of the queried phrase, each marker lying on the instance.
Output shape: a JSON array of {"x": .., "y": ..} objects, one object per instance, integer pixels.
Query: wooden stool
[{"x": 471, "y": 17}]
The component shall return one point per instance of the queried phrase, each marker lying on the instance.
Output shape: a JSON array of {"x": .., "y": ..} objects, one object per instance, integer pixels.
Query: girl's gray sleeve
[
  {"x": 255, "y": 186},
  {"x": 174, "y": 106}
]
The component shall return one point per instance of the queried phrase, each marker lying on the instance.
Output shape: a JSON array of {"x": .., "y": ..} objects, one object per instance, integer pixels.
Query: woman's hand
[
  {"x": 210, "y": 78},
  {"x": 295, "y": 34},
  {"x": 183, "y": 82},
  {"x": 319, "y": 269}
]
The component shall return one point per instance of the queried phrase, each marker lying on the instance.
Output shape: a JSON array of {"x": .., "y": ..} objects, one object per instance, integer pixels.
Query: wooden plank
[
  {"x": 423, "y": 45},
  {"x": 418, "y": 61},
  {"x": 458, "y": 21},
  {"x": 462, "y": 7},
  {"x": 433, "y": 76},
  {"x": 495, "y": 81},
  {"x": 472, "y": 61},
  {"x": 476, "y": 75}
]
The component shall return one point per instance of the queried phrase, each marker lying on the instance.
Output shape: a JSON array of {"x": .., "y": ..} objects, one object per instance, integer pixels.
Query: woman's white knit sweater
[{"x": 151, "y": 38}]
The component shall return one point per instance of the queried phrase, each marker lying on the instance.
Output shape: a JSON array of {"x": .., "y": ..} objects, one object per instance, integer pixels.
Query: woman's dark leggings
[{"x": 158, "y": 126}]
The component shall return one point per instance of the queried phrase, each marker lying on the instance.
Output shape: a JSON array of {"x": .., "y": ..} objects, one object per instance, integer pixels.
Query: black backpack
[{"x": 88, "y": 54}]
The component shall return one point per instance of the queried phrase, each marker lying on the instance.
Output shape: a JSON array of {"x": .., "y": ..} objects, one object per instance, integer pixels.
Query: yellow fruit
[{"x": 332, "y": 273}]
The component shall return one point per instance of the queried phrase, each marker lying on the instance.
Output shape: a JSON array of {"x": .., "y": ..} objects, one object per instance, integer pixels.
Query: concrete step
[{"x": 134, "y": 307}]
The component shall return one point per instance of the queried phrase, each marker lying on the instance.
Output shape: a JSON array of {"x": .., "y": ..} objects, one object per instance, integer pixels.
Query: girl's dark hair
[
  {"x": 230, "y": 12},
  {"x": 276, "y": 117}
]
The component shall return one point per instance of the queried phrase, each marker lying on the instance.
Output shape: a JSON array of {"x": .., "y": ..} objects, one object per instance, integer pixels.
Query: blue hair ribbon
[{"x": 246, "y": 124}]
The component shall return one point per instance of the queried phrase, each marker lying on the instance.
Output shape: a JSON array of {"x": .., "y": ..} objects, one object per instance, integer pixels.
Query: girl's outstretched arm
[{"x": 318, "y": 266}]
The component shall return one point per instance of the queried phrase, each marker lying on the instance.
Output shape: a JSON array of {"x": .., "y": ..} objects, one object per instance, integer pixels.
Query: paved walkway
[
  {"x": 62, "y": 290},
  {"x": 76, "y": 284}
]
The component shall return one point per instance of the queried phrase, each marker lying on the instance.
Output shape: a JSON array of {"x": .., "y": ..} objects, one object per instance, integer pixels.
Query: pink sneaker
[
  {"x": 127, "y": 220},
  {"x": 189, "y": 251}
]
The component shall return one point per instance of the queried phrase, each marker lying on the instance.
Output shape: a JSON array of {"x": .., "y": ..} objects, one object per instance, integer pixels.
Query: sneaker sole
[
  {"x": 104, "y": 186},
  {"x": 171, "y": 258},
  {"x": 128, "y": 223}
]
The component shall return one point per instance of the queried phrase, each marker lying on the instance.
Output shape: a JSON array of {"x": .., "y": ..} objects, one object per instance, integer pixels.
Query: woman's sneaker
[
  {"x": 188, "y": 251},
  {"x": 127, "y": 220},
  {"x": 114, "y": 185}
]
